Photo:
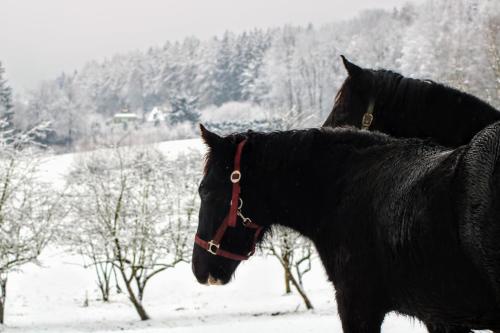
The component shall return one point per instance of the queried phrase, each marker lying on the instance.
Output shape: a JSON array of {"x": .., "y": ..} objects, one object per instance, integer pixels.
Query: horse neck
[
  {"x": 448, "y": 116},
  {"x": 289, "y": 185}
]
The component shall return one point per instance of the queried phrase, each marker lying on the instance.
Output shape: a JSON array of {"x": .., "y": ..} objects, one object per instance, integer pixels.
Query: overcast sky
[{"x": 41, "y": 38}]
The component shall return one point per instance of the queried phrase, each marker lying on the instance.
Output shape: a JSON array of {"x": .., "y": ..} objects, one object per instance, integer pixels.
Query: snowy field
[{"x": 51, "y": 297}]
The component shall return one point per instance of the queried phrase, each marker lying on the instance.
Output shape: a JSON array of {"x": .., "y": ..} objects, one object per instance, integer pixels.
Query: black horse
[
  {"x": 406, "y": 107},
  {"x": 400, "y": 224}
]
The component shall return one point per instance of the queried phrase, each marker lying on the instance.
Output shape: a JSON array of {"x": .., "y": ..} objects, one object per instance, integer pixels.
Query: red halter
[{"x": 213, "y": 246}]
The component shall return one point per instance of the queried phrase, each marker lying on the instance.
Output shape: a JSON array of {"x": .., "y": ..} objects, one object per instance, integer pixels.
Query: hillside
[{"x": 280, "y": 70}]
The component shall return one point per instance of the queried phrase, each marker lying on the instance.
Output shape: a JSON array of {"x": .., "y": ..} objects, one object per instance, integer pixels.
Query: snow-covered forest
[
  {"x": 102, "y": 231},
  {"x": 260, "y": 75}
]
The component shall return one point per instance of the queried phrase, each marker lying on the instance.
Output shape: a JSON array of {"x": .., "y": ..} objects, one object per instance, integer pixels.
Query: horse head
[
  {"x": 354, "y": 99},
  {"x": 226, "y": 235}
]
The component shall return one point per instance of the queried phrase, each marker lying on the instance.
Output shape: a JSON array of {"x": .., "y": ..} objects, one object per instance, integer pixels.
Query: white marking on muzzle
[{"x": 211, "y": 281}]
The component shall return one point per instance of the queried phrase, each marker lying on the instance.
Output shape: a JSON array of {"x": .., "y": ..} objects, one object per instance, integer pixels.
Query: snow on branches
[
  {"x": 29, "y": 208},
  {"x": 134, "y": 209}
]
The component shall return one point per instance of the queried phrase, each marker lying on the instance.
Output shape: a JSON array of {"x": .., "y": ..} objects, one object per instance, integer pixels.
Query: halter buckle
[
  {"x": 366, "y": 121},
  {"x": 245, "y": 220},
  {"x": 235, "y": 176},
  {"x": 213, "y": 247}
]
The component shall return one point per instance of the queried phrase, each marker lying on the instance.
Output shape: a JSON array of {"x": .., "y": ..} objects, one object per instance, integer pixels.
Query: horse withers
[{"x": 400, "y": 224}]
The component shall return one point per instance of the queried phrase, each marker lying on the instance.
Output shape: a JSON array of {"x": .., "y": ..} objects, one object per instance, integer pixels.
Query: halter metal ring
[
  {"x": 239, "y": 206},
  {"x": 366, "y": 121},
  {"x": 235, "y": 176},
  {"x": 213, "y": 247}
]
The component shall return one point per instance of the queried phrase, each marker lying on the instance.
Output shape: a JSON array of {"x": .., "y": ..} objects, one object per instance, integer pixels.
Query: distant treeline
[{"x": 281, "y": 69}]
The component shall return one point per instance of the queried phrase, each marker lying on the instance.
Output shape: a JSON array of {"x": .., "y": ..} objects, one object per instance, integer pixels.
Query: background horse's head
[
  {"x": 408, "y": 107},
  {"x": 393, "y": 102},
  {"x": 216, "y": 263},
  {"x": 354, "y": 97},
  {"x": 397, "y": 105}
]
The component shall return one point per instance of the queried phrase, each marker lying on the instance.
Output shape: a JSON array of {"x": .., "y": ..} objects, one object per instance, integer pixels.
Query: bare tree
[
  {"x": 294, "y": 253},
  {"x": 28, "y": 207},
  {"x": 135, "y": 211}
]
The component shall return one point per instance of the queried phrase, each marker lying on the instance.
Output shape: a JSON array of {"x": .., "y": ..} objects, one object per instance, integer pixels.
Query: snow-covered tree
[
  {"x": 492, "y": 34},
  {"x": 6, "y": 103},
  {"x": 183, "y": 110},
  {"x": 453, "y": 42},
  {"x": 287, "y": 68},
  {"x": 6, "y": 106},
  {"x": 135, "y": 210},
  {"x": 29, "y": 207}
]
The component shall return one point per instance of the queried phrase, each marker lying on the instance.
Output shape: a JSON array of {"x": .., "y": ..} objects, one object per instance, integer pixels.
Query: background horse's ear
[
  {"x": 211, "y": 139},
  {"x": 352, "y": 69},
  {"x": 360, "y": 77}
]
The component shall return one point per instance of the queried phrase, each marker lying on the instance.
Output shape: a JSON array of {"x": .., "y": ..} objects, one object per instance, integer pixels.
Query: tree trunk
[
  {"x": 104, "y": 292},
  {"x": 286, "y": 261},
  {"x": 139, "y": 308},
  {"x": 285, "y": 251},
  {"x": 2, "y": 309},
  {"x": 301, "y": 291},
  {"x": 103, "y": 279},
  {"x": 131, "y": 295},
  {"x": 3, "y": 296},
  {"x": 297, "y": 286},
  {"x": 140, "y": 293},
  {"x": 117, "y": 284},
  {"x": 137, "y": 304}
]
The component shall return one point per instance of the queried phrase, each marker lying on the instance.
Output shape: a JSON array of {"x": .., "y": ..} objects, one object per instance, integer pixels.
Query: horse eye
[
  {"x": 202, "y": 190},
  {"x": 203, "y": 195}
]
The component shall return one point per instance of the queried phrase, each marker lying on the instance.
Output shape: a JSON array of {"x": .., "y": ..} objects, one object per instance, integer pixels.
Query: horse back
[
  {"x": 407, "y": 220},
  {"x": 479, "y": 202}
]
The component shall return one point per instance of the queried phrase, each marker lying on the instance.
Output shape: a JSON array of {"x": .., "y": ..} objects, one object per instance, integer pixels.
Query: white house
[
  {"x": 157, "y": 114},
  {"x": 125, "y": 117}
]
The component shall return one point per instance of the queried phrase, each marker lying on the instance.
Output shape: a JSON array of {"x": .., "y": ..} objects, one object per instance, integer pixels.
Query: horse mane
[
  {"x": 409, "y": 107},
  {"x": 397, "y": 92},
  {"x": 272, "y": 150},
  {"x": 393, "y": 92},
  {"x": 300, "y": 140},
  {"x": 298, "y": 145}
]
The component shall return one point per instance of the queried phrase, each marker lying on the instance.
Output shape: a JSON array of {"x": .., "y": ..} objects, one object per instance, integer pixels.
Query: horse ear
[
  {"x": 352, "y": 69},
  {"x": 211, "y": 139},
  {"x": 361, "y": 78}
]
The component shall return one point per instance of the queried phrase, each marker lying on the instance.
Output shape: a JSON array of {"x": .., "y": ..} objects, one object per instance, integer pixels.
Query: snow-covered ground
[{"x": 50, "y": 298}]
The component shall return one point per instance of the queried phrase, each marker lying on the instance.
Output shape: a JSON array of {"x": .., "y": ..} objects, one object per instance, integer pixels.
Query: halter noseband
[
  {"x": 213, "y": 246},
  {"x": 367, "y": 119}
]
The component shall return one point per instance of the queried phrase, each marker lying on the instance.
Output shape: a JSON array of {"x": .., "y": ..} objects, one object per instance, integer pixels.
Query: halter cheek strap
[
  {"x": 213, "y": 246},
  {"x": 367, "y": 119}
]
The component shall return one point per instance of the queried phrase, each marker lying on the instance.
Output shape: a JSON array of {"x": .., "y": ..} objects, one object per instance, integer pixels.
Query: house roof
[{"x": 126, "y": 115}]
